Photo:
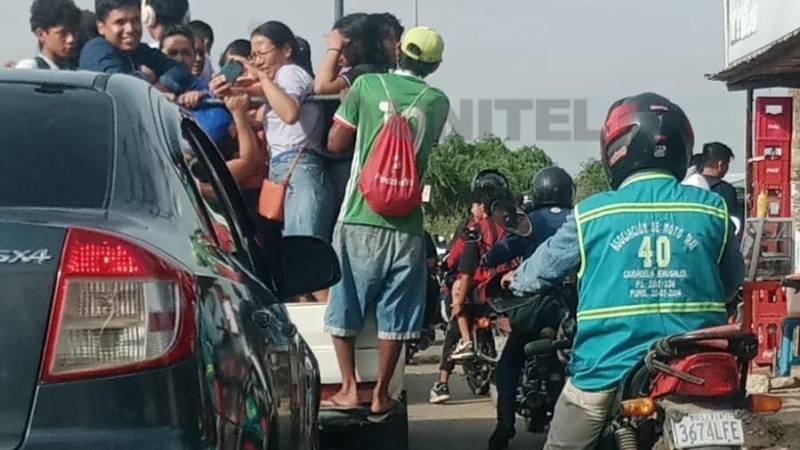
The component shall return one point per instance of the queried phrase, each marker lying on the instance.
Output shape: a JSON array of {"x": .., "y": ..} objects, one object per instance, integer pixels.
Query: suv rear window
[{"x": 55, "y": 147}]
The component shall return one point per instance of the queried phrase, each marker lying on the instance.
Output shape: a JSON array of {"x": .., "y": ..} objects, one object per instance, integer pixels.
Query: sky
[{"x": 573, "y": 52}]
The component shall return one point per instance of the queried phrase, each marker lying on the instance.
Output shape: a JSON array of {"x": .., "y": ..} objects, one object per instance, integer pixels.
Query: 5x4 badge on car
[{"x": 25, "y": 256}]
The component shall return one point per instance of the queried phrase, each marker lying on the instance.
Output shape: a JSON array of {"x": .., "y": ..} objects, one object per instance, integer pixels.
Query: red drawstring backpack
[{"x": 390, "y": 180}]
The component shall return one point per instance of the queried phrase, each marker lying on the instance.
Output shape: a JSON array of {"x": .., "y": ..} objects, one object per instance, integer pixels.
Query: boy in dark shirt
[
  {"x": 716, "y": 162},
  {"x": 119, "y": 49}
]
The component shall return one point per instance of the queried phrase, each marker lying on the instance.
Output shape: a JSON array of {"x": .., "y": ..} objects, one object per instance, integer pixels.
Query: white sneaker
[{"x": 463, "y": 351}]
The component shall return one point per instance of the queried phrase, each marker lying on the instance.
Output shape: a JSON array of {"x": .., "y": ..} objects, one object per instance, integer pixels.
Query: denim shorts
[
  {"x": 383, "y": 273},
  {"x": 308, "y": 209}
]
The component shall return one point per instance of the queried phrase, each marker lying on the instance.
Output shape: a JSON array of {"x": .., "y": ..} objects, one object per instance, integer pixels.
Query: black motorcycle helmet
[
  {"x": 490, "y": 177},
  {"x": 646, "y": 131},
  {"x": 489, "y": 186},
  {"x": 552, "y": 186}
]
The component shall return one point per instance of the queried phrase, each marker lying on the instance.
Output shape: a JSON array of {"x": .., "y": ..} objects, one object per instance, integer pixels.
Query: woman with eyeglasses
[{"x": 293, "y": 127}]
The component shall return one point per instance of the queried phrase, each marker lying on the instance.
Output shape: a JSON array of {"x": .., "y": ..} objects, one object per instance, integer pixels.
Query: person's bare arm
[
  {"x": 328, "y": 80},
  {"x": 285, "y": 106},
  {"x": 251, "y": 157},
  {"x": 341, "y": 139},
  {"x": 191, "y": 99}
]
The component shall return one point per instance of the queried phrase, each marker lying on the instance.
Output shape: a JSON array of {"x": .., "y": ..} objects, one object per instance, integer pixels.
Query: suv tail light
[
  {"x": 720, "y": 372},
  {"x": 118, "y": 308}
]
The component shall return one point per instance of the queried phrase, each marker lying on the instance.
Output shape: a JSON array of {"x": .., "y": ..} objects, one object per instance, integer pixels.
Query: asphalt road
[{"x": 465, "y": 422}]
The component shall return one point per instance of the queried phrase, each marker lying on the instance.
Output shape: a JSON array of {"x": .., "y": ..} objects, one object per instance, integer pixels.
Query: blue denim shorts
[
  {"x": 308, "y": 209},
  {"x": 383, "y": 273}
]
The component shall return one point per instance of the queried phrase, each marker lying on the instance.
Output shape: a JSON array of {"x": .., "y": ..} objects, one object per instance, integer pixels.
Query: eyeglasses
[{"x": 254, "y": 54}]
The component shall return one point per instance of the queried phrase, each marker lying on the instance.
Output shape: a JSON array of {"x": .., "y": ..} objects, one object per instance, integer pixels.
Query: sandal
[
  {"x": 334, "y": 406},
  {"x": 380, "y": 417}
]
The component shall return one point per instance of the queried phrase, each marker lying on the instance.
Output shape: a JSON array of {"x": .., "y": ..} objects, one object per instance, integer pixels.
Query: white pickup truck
[{"x": 353, "y": 426}]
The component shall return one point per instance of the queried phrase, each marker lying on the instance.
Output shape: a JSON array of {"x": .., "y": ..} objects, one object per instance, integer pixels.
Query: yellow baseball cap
[{"x": 423, "y": 44}]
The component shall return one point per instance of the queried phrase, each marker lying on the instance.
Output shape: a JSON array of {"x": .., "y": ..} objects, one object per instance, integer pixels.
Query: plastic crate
[
  {"x": 765, "y": 308},
  {"x": 774, "y": 118}
]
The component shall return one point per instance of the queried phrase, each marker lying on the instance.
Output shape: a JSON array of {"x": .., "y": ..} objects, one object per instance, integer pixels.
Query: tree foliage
[
  {"x": 591, "y": 179},
  {"x": 455, "y": 162}
]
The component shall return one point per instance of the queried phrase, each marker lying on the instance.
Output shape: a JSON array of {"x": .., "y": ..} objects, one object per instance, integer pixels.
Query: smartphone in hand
[{"x": 232, "y": 71}]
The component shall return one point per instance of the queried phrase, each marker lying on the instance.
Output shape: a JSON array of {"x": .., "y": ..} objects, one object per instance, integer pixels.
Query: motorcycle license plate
[{"x": 721, "y": 428}]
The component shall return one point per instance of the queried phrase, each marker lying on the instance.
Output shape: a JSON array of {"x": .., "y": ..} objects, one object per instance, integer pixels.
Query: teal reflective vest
[{"x": 650, "y": 254}]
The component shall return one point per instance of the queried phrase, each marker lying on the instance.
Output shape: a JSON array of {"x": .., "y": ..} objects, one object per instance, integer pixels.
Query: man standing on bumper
[
  {"x": 382, "y": 258},
  {"x": 656, "y": 258}
]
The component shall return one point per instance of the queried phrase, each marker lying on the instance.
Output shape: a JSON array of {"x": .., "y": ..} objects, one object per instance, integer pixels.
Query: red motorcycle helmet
[{"x": 646, "y": 131}]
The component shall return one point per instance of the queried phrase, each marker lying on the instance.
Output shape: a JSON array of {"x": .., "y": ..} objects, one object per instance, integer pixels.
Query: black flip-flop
[
  {"x": 333, "y": 406},
  {"x": 382, "y": 416}
]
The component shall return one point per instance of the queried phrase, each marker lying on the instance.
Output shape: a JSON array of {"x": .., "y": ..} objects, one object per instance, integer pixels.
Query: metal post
[
  {"x": 338, "y": 9},
  {"x": 749, "y": 193},
  {"x": 416, "y": 13}
]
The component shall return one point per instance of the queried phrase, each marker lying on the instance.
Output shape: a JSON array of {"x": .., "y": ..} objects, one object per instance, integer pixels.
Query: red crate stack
[
  {"x": 765, "y": 308},
  {"x": 771, "y": 161},
  {"x": 765, "y": 301},
  {"x": 771, "y": 174}
]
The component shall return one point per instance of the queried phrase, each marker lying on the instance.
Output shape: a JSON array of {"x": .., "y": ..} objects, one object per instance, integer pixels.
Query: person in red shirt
[{"x": 473, "y": 239}]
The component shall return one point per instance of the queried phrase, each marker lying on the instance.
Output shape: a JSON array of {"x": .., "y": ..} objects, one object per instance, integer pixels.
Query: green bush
[{"x": 455, "y": 162}]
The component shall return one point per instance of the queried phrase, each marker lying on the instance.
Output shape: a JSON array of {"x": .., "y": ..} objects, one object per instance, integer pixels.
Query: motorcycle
[
  {"x": 543, "y": 376},
  {"x": 479, "y": 371},
  {"x": 545, "y": 369},
  {"x": 687, "y": 392}
]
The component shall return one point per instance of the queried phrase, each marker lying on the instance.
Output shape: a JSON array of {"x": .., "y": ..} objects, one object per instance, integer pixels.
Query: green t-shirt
[{"x": 365, "y": 109}]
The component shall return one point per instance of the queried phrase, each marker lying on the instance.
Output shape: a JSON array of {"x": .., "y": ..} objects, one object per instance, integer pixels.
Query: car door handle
[{"x": 262, "y": 318}]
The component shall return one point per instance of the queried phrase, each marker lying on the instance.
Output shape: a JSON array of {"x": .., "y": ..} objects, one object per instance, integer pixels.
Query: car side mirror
[{"x": 307, "y": 264}]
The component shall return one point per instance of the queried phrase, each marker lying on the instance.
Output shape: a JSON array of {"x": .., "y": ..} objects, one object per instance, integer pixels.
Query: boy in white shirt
[{"x": 55, "y": 24}]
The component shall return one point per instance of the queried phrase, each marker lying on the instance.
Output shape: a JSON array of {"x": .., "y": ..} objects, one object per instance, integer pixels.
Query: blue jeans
[
  {"x": 308, "y": 208},
  {"x": 383, "y": 273}
]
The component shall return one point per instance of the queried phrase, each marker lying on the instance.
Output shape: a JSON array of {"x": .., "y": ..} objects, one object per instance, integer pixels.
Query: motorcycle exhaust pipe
[{"x": 626, "y": 438}]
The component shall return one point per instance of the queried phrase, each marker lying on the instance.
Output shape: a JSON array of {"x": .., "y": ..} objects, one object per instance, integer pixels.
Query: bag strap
[
  {"x": 414, "y": 103},
  {"x": 294, "y": 166},
  {"x": 41, "y": 64},
  {"x": 389, "y": 97}
]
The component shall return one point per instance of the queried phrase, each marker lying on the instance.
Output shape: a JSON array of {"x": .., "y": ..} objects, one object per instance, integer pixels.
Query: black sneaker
[
  {"x": 440, "y": 393},
  {"x": 500, "y": 438}
]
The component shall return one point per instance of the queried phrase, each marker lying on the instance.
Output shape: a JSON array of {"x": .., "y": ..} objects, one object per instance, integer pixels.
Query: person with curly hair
[{"x": 55, "y": 24}]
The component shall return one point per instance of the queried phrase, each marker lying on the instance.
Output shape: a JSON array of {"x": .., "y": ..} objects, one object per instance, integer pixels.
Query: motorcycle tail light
[
  {"x": 638, "y": 407},
  {"x": 483, "y": 323},
  {"x": 761, "y": 403},
  {"x": 118, "y": 308},
  {"x": 718, "y": 371}
]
